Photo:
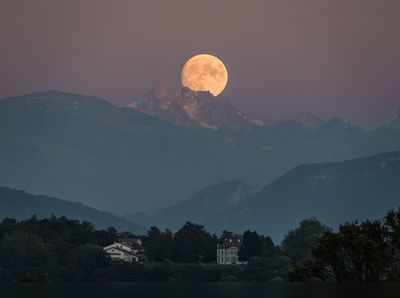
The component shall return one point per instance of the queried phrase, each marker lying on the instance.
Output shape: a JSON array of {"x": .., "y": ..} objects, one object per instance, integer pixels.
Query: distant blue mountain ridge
[{"x": 83, "y": 148}]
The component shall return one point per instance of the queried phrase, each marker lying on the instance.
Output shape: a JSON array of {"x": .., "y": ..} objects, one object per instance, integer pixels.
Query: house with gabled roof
[{"x": 126, "y": 250}]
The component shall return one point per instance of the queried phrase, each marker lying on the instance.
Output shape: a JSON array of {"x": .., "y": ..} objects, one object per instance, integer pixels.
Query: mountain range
[
  {"x": 190, "y": 108},
  {"x": 126, "y": 160},
  {"x": 22, "y": 205},
  {"x": 207, "y": 206},
  {"x": 333, "y": 192}
]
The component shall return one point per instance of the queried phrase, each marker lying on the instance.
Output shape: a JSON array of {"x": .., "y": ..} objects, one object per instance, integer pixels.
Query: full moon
[{"x": 205, "y": 73}]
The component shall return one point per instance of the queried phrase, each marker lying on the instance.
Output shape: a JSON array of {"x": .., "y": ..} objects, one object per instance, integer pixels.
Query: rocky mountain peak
[
  {"x": 308, "y": 120},
  {"x": 192, "y": 108},
  {"x": 158, "y": 104}
]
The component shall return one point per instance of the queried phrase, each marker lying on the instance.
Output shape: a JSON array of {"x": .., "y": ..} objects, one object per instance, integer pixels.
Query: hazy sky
[{"x": 328, "y": 57}]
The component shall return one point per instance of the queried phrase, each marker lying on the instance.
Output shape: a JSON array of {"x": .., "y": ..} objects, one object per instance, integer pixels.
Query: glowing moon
[{"x": 205, "y": 73}]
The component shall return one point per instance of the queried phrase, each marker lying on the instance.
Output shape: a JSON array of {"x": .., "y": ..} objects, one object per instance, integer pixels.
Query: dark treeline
[
  {"x": 193, "y": 244},
  {"x": 364, "y": 252},
  {"x": 56, "y": 248},
  {"x": 59, "y": 249}
]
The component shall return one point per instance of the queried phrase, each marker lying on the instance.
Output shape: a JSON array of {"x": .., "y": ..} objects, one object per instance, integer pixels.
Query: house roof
[
  {"x": 117, "y": 244},
  {"x": 127, "y": 252},
  {"x": 229, "y": 242},
  {"x": 129, "y": 247}
]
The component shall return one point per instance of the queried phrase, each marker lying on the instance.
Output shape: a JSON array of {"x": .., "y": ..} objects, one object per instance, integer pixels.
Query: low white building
[
  {"x": 228, "y": 251},
  {"x": 126, "y": 250}
]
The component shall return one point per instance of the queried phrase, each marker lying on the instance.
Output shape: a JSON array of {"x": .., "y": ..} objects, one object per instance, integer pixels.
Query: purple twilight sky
[{"x": 284, "y": 57}]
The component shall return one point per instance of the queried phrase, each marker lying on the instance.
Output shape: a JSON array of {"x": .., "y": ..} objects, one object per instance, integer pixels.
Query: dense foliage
[
  {"x": 56, "y": 247},
  {"x": 299, "y": 243},
  {"x": 60, "y": 249},
  {"x": 362, "y": 252},
  {"x": 69, "y": 250}
]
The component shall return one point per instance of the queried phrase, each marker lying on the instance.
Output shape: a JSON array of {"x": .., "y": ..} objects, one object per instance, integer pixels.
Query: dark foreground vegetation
[
  {"x": 59, "y": 249},
  {"x": 362, "y": 252}
]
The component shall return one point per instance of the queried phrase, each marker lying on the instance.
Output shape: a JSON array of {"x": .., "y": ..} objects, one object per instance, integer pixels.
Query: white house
[
  {"x": 228, "y": 251},
  {"x": 126, "y": 250}
]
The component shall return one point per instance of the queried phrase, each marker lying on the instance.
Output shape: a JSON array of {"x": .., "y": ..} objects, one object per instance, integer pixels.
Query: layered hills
[{"x": 125, "y": 160}]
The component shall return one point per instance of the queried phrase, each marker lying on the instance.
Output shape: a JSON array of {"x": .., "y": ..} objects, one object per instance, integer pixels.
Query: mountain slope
[
  {"x": 333, "y": 192},
  {"x": 118, "y": 159},
  {"x": 74, "y": 146},
  {"x": 207, "y": 206},
  {"x": 22, "y": 205},
  {"x": 387, "y": 135}
]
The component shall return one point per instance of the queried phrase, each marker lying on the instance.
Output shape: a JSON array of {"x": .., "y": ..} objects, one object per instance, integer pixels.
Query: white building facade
[{"x": 228, "y": 251}]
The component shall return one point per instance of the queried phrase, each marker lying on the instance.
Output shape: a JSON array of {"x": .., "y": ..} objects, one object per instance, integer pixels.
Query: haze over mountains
[
  {"x": 333, "y": 192},
  {"x": 21, "y": 205},
  {"x": 85, "y": 149},
  {"x": 208, "y": 206}
]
